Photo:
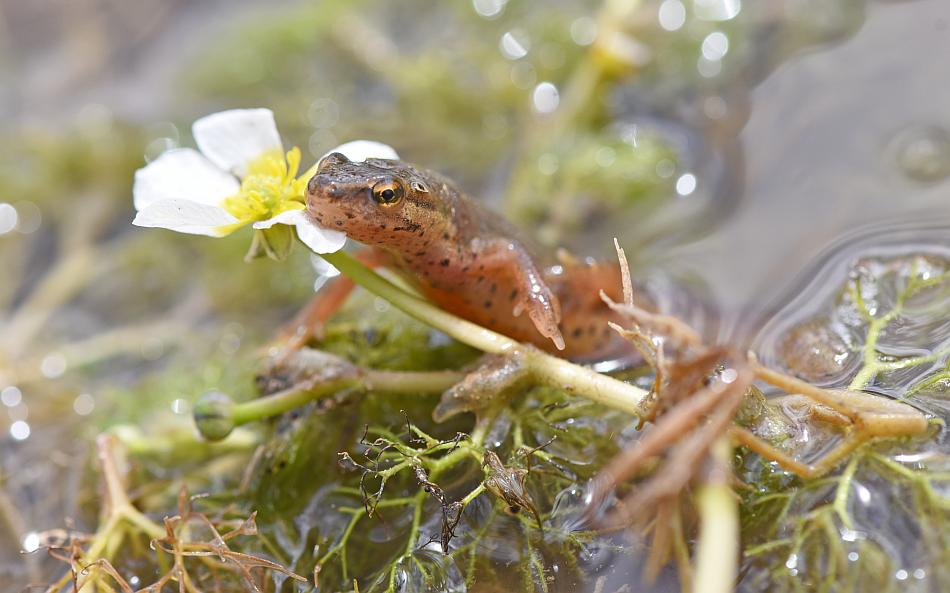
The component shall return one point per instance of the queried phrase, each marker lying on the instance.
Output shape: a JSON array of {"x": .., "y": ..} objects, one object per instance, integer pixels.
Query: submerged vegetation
[{"x": 391, "y": 453}]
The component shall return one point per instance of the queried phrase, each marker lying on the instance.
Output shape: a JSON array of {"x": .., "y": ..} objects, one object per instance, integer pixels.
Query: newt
[{"x": 465, "y": 258}]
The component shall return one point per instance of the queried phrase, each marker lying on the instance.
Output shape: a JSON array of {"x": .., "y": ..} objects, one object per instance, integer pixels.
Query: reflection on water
[{"x": 878, "y": 301}]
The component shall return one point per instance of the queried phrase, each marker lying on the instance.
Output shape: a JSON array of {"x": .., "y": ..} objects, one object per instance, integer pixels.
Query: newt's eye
[{"x": 387, "y": 192}]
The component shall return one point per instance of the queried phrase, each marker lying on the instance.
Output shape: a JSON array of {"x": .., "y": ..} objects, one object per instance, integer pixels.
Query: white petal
[
  {"x": 360, "y": 150},
  {"x": 290, "y": 217},
  {"x": 185, "y": 216},
  {"x": 232, "y": 139},
  {"x": 322, "y": 267},
  {"x": 182, "y": 174},
  {"x": 317, "y": 238}
]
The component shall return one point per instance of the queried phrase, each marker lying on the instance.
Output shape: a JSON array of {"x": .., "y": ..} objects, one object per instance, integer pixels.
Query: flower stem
[
  {"x": 717, "y": 550},
  {"x": 409, "y": 382},
  {"x": 549, "y": 369}
]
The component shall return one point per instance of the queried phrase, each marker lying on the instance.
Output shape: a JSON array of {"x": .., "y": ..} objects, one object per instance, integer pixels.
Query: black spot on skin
[
  {"x": 494, "y": 287},
  {"x": 444, "y": 263},
  {"x": 480, "y": 279},
  {"x": 410, "y": 227},
  {"x": 464, "y": 269},
  {"x": 513, "y": 295},
  {"x": 419, "y": 253},
  {"x": 445, "y": 236},
  {"x": 338, "y": 222},
  {"x": 576, "y": 333},
  {"x": 350, "y": 215},
  {"x": 382, "y": 226},
  {"x": 487, "y": 304}
]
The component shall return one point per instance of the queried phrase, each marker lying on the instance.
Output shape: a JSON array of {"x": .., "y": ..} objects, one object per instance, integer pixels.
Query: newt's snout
[{"x": 324, "y": 186}]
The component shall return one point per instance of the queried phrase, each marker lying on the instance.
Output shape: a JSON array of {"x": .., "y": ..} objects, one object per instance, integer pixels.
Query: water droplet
[
  {"x": 31, "y": 542},
  {"x": 230, "y": 343},
  {"x": 8, "y": 218},
  {"x": 380, "y": 304},
  {"x": 686, "y": 184},
  {"x": 489, "y": 9},
  {"x": 584, "y": 30},
  {"x": 708, "y": 68},
  {"x": 923, "y": 153},
  {"x": 901, "y": 575},
  {"x": 84, "y": 404},
  {"x": 665, "y": 168},
  {"x": 715, "y": 107},
  {"x": 717, "y": 10},
  {"x": 672, "y": 15},
  {"x": 156, "y": 147},
  {"x": 20, "y": 430},
  {"x": 11, "y": 396},
  {"x": 853, "y": 556},
  {"x": 323, "y": 113},
  {"x": 920, "y": 574},
  {"x": 605, "y": 156},
  {"x": 514, "y": 44},
  {"x": 728, "y": 375},
  {"x": 180, "y": 406},
  {"x": 545, "y": 98},
  {"x": 321, "y": 141},
  {"x": 53, "y": 365}
]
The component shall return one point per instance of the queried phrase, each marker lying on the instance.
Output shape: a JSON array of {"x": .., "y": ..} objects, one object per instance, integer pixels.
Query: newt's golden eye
[{"x": 387, "y": 192}]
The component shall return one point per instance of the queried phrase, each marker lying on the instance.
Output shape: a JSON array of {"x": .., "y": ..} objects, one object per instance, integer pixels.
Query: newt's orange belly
[{"x": 491, "y": 302}]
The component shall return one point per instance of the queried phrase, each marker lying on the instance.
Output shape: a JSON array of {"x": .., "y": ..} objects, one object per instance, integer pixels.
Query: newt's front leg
[
  {"x": 309, "y": 322},
  {"x": 509, "y": 258}
]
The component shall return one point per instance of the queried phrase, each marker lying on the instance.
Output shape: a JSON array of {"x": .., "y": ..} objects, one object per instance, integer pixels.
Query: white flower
[{"x": 240, "y": 176}]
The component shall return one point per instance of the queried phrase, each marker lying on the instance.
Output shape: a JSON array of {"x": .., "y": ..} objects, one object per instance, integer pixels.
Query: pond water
[{"x": 762, "y": 165}]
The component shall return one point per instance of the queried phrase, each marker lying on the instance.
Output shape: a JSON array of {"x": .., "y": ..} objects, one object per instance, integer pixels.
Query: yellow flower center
[{"x": 270, "y": 187}]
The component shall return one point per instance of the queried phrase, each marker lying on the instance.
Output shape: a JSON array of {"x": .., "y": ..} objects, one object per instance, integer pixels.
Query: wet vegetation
[{"x": 390, "y": 454}]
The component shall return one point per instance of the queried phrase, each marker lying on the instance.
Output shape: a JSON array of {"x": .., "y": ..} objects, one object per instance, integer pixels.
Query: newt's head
[{"x": 377, "y": 202}]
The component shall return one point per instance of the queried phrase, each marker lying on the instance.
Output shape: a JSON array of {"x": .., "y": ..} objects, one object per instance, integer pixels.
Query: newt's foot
[
  {"x": 495, "y": 378},
  {"x": 544, "y": 310}
]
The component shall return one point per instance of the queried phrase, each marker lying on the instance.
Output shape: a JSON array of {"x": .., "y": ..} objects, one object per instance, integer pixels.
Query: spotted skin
[{"x": 466, "y": 259}]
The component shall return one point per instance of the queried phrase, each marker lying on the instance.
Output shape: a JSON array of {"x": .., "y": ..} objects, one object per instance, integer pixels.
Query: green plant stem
[
  {"x": 717, "y": 550},
  {"x": 387, "y": 381},
  {"x": 548, "y": 369}
]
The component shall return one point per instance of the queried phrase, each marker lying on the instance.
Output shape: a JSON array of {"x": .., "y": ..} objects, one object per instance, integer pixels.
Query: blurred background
[{"x": 727, "y": 144}]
